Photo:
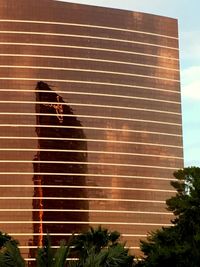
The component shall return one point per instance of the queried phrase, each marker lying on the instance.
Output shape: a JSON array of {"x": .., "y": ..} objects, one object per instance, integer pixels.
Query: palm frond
[
  {"x": 10, "y": 256},
  {"x": 44, "y": 257},
  {"x": 61, "y": 254}
]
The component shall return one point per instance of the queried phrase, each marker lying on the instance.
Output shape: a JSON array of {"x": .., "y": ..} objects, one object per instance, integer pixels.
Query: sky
[{"x": 187, "y": 13}]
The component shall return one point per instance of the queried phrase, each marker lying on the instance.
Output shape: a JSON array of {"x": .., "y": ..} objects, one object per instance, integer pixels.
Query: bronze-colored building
[{"x": 90, "y": 120}]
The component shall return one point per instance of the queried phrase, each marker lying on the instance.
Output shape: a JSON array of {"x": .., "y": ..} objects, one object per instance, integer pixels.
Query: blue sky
[{"x": 187, "y": 13}]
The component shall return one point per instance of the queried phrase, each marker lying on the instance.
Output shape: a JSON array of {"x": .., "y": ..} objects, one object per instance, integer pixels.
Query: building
[{"x": 90, "y": 120}]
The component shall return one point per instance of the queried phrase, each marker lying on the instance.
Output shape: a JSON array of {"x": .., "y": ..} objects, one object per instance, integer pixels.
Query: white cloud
[
  {"x": 191, "y": 82},
  {"x": 190, "y": 47}
]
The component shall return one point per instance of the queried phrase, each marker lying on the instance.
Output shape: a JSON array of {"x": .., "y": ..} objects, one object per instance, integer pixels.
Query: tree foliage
[
  {"x": 100, "y": 248},
  {"x": 95, "y": 248},
  {"x": 178, "y": 245},
  {"x": 10, "y": 255},
  {"x": 46, "y": 257}
]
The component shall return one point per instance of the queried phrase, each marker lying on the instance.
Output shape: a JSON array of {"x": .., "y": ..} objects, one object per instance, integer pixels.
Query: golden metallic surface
[{"x": 90, "y": 121}]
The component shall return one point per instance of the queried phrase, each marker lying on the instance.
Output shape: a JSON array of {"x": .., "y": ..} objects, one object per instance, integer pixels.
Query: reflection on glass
[{"x": 58, "y": 138}]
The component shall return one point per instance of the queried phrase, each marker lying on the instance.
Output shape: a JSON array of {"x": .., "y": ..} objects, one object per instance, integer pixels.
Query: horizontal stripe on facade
[
  {"x": 86, "y": 128},
  {"x": 87, "y": 140},
  {"x": 88, "y": 105},
  {"x": 88, "y": 187},
  {"x": 87, "y": 116},
  {"x": 45, "y": 234},
  {"x": 55, "y": 247},
  {"x": 86, "y": 222},
  {"x": 88, "y": 175},
  {"x": 88, "y": 48},
  {"x": 101, "y": 94},
  {"x": 177, "y": 93},
  {"x": 87, "y": 163},
  {"x": 87, "y": 151},
  {"x": 76, "y": 82},
  {"x": 89, "y": 59},
  {"x": 33, "y": 259},
  {"x": 89, "y": 211},
  {"x": 85, "y": 25},
  {"x": 88, "y": 37},
  {"x": 84, "y": 199},
  {"x": 67, "y": 234},
  {"x": 90, "y": 71}
]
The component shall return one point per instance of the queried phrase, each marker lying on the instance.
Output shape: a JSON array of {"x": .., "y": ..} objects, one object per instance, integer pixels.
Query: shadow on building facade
[{"x": 57, "y": 166}]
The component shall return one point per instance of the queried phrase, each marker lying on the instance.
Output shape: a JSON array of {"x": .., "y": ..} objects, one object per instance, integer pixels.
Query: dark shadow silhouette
[{"x": 57, "y": 138}]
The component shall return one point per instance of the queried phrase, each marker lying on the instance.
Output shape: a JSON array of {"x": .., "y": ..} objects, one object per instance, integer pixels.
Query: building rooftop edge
[{"x": 115, "y": 8}]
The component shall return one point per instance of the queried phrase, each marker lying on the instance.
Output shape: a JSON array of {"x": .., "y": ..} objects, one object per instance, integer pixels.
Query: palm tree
[
  {"x": 100, "y": 248},
  {"x": 113, "y": 256},
  {"x": 95, "y": 248},
  {"x": 46, "y": 257},
  {"x": 10, "y": 255}
]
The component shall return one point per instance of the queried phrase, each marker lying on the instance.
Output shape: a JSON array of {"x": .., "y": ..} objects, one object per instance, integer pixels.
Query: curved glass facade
[{"x": 90, "y": 120}]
